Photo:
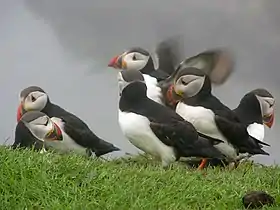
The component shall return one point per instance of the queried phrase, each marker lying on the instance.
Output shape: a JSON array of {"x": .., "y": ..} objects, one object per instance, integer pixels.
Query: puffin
[
  {"x": 25, "y": 139},
  {"x": 217, "y": 63},
  {"x": 153, "y": 90},
  {"x": 34, "y": 98},
  {"x": 192, "y": 91},
  {"x": 51, "y": 131},
  {"x": 156, "y": 129},
  {"x": 137, "y": 58},
  {"x": 256, "y": 110}
]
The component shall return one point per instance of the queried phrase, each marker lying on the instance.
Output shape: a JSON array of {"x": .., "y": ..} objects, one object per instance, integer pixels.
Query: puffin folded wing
[
  {"x": 185, "y": 139},
  {"x": 83, "y": 136},
  {"x": 237, "y": 135}
]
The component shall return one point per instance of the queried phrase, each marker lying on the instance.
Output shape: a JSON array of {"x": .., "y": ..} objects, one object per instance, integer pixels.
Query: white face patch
[
  {"x": 267, "y": 105},
  {"x": 35, "y": 101},
  {"x": 40, "y": 127},
  {"x": 189, "y": 85},
  {"x": 135, "y": 61}
]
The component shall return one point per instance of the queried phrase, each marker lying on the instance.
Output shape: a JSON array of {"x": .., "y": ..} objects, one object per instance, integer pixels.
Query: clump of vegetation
[{"x": 30, "y": 180}]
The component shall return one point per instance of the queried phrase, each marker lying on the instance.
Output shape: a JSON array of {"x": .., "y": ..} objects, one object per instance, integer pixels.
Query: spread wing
[
  {"x": 217, "y": 63},
  {"x": 169, "y": 53}
]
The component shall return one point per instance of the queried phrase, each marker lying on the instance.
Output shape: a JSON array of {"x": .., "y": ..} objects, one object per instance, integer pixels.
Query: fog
[{"x": 64, "y": 47}]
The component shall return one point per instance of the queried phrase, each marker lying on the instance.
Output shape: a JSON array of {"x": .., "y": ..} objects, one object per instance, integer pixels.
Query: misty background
[{"x": 64, "y": 47}]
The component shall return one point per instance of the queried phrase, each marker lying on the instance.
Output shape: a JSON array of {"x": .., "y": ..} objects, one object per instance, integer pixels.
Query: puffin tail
[
  {"x": 262, "y": 143},
  {"x": 254, "y": 147},
  {"x": 104, "y": 147}
]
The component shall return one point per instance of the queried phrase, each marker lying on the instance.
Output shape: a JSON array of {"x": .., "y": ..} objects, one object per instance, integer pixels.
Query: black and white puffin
[
  {"x": 25, "y": 139},
  {"x": 153, "y": 90},
  {"x": 217, "y": 63},
  {"x": 156, "y": 129},
  {"x": 23, "y": 136},
  {"x": 210, "y": 116},
  {"x": 255, "y": 110},
  {"x": 35, "y": 98},
  {"x": 51, "y": 132},
  {"x": 138, "y": 59},
  {"x": 159, "y": 64}
]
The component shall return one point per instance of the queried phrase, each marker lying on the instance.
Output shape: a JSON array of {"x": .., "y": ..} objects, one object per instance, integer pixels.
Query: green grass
[{"x": 30, "y": 180}]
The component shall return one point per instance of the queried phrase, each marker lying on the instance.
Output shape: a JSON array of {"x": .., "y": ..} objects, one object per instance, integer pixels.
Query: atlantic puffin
[
  {"x": 153, "y": 90},
  {"x": 210, "y": 116},
  {"x": 217, "y": 63},
  {"x": 157, "y": 129},
  {"x": 139, "y": 59},
  {"x": 51, "y": 132},
  {"x": 34, "y": 98},
  {"x": 256, "y": 109},
  {"x": 25, "y": 139},
  {"x": 23, "y": 136}
]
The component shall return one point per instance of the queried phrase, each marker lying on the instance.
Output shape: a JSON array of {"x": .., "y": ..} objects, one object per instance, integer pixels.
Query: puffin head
[
  {"x": 41, "y": 126},
  {"x": 134, "y": 59},
  {"x": 190, "y": 82},
  {"x": 127, "y": 77},
  {"x": 32, "y": 98},
  {"x": 267, "y": 104}
]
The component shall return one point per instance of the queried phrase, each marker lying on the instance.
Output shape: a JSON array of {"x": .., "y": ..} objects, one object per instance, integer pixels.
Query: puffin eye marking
[
  {"x": 270, "y": 104},
  {"x": 46, "y": 123},
  {"x": 134, "y": 57},
  {"x": 184, "y": 83},
  {"x": 33, "y": 98}
]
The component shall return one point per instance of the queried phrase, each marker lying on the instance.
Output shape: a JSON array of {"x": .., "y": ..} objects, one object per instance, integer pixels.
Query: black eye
[
  {"x": 184, "y": 83},
  {"x": 33, "y": 98},
  {"x": 134, "y": 57}
]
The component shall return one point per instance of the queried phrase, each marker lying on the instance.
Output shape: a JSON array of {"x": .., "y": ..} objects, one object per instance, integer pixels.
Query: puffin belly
[{"x": 136, "y": 129}]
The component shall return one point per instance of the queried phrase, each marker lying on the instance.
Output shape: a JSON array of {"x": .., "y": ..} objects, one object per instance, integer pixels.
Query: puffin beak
[
  {"x": 117, "y": 62},
  {"x": 19, "y": 112},
  {"x": 178, "y": 92},
  {"x": 268, "y": 120}
]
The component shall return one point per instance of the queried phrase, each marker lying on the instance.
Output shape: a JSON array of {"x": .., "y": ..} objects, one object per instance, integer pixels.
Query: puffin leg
[{"x": 202, "y": 164}]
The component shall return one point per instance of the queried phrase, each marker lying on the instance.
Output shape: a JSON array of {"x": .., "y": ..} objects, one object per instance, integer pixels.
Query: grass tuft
[{"x": 30, "y": 180}]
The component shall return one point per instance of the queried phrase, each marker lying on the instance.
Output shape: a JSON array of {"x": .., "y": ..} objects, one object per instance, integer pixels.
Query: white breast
[
  {"x": 136, "y": 129},
  {"x": 67, "y": 144},
  {"x": 204, "y": 122},
  {"x": 256, "y": 130},
  {"x": 153, "y": 91}
]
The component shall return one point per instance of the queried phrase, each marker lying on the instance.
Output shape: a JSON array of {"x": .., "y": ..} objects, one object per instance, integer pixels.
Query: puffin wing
[
  {"x": 169, "y": 53},
  {"x": 237, "y": 134},
  {"x": 217, "y": 63},
  {"x": 185, "y": 139},
  {"x": 159, "y": 75},
  {"x": 256, "y": 130},
  {"x": 83, "y": 136}
]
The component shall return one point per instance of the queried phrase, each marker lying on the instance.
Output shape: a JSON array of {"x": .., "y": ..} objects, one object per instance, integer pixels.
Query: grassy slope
[{"x": 48, "y": 181}]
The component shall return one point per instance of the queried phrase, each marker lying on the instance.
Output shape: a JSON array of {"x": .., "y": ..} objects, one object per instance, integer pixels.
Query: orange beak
[
  {"x": 268, "y": 120},
  {"x": 117, "y": 62},
  {"x": 19, "y": 112}
]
